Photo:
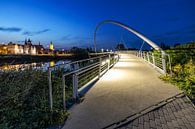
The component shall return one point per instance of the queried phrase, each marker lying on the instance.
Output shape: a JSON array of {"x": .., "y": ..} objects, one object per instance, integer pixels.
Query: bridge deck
[{"x": 129, "y": 87}]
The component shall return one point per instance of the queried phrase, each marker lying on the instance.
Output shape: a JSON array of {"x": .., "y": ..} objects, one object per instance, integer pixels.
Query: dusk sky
[{"x": 69, "y": 23}]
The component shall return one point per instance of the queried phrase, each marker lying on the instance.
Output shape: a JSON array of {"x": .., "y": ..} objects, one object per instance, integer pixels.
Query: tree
[
  {"x": 79, "y": 53},
  {"x": 120, "y": 46},
  {"x": 164, "y": 46}
]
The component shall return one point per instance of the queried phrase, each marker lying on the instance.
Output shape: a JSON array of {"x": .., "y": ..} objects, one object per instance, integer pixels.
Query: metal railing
[
  {"x": 83, "y": 72},
  {"x": 159, "y": 62}
]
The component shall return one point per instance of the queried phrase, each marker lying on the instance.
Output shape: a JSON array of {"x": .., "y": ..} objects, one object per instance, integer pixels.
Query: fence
[
  {"x": 160, "y": 62},
  {"x": 82, "y": 72}
]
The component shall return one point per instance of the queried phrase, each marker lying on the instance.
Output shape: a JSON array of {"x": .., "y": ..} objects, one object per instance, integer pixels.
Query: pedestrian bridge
[{"x": 129, "y": 87}]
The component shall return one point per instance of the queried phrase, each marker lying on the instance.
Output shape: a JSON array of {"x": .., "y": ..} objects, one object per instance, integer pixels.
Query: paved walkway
[
  {"x": 179, "y": 113},
  {"x": 129, "y": 87}
]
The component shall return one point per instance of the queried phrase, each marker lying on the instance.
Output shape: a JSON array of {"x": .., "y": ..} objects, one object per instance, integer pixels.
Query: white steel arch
[{"x": 151, "y": 43}]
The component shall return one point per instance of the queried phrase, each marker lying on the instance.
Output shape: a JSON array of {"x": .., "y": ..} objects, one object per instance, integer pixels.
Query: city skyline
[{"x": 69, "y": 24}]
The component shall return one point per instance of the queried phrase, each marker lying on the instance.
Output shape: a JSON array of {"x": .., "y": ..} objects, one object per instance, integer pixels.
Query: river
[{"x": 33, "y": 65}]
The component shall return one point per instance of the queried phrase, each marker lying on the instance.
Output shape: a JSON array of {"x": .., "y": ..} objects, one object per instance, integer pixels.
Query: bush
[
  {"x": 184, "y": 77},
  {"x": 24, "y": 101}
]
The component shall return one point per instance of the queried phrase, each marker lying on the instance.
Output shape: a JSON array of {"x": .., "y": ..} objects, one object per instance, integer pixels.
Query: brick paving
[{"x": 179, "y": 113}]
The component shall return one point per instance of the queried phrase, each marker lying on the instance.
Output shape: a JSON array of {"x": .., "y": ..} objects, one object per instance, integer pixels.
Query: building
[
  {"x": 51, "y": 47},
  {"x": 40, "y": 49},
  {"x": 13, "y": 48},
  {"x": 29, "y": 48},
  {"x": 26, "y": 49},
  {"x": 3, "y": 49}
]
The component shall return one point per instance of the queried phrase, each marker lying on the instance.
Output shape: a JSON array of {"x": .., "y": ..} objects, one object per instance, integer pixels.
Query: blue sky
[{"x": 70, "y": 23}]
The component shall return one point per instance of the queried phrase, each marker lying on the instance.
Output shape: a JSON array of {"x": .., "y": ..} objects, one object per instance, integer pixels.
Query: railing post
[
  {"x": 50, "y": 89},
  {"x": 170, "y": 64},
  {"x": 75, "y": 86},
  {"x": 144, "y": 56},
  {"x": 148, "y": 57},
  {"x": 99, "y": 74},
  {"x": 164, "y": 63},
  {"x": 153, "y": 59},
  {"x": 64, "y": 93},
  {"x": 108, "y": 61}
]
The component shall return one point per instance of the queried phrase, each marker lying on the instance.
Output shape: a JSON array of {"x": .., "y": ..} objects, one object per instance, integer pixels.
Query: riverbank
[{"x": 15, "y": 59}]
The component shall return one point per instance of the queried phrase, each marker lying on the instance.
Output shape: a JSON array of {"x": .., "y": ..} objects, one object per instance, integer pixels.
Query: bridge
[
  {"x": 126, "y": 90},
  {"x": 123, "y": 90}
]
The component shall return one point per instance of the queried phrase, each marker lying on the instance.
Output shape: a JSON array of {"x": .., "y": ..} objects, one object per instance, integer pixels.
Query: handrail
[
  {"x": 157, "y": 62},
  {"x": 84, "y": 70},
  {"x": 95, "y": 65},
  {"x": 75, "y": 61},
  {"x": 78, "y": 70}
]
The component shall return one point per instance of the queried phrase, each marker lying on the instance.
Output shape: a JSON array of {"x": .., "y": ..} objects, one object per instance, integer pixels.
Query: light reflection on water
[{"x": 39, "y": 65}]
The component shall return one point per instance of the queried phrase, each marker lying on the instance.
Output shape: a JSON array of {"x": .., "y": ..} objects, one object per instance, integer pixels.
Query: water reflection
[
  {"x": 51, "y": 63},
  {"x": 39, "y": 65}
]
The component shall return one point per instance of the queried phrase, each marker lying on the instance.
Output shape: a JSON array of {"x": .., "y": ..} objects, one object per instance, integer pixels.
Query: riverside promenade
[{"x": 128, "y": 88}]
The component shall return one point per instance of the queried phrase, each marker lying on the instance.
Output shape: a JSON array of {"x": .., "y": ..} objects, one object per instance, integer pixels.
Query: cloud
[
  {"x": 66, "y": 37},
  {"x": 10, "y": 29},
  {"x": 30, "y": 33}
]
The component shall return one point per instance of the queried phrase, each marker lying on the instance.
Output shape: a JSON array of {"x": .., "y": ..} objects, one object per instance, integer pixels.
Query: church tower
[{"x": 51, "y": 47}]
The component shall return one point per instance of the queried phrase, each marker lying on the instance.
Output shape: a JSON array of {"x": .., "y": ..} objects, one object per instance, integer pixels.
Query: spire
[
  {"x": 29, "y": 40},
  {"x": 25, "y": 42}
]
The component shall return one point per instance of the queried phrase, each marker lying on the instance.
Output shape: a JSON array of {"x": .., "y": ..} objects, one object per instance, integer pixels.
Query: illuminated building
[
  {"x": 3, "y": 49},
  {"x": 51, "y": 47},
  {"x": 29, "y": 48},
  {"x": 13, "y": 48}
]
